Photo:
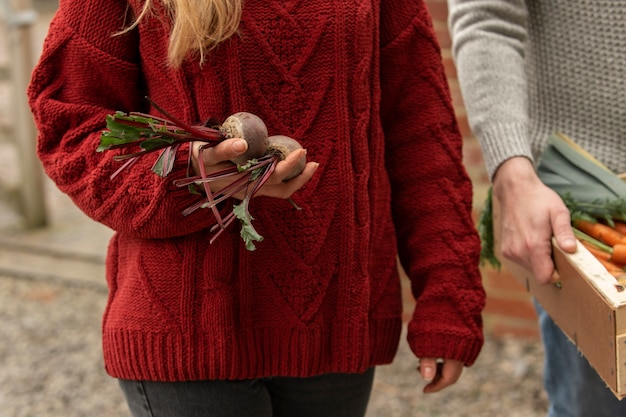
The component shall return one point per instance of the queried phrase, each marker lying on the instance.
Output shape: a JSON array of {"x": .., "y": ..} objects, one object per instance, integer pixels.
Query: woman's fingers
[
  {"x": 446, "y": 373},
  {"x": 428, "y": 368},
  {"x": 286, "y": 189},
  {"x": 223, "y": 151},
  {"x": 285, "y": 168},
  {"x": 219, "y": 156}
]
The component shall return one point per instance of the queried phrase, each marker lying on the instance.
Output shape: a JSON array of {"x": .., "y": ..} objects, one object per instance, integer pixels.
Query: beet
[
  {"x": 250, "y": 128},
  {"x": 281, "y": 146}
]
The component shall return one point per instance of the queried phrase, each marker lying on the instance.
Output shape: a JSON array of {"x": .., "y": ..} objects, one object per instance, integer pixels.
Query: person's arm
[
  {"x": 431, "y": 195},
  {"x": 489, "y": 38},
  {"x": 84, "y": 74}
]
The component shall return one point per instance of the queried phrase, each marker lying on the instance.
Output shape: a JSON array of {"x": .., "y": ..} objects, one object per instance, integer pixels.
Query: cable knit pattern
[
  {"x": 570, "y": 78},
  {"x": 361, "y": 85}
]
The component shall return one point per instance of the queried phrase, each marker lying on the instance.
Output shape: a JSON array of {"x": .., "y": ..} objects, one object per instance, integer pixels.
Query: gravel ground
[
  {"x": 52, "y": 366},
  {"x": 50, "y": 352}
]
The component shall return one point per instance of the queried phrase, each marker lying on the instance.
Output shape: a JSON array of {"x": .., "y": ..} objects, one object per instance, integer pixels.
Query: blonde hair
[{"x": 197, "y": 25}]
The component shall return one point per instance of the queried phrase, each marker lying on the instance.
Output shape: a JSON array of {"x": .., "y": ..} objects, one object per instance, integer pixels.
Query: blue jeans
[
  {"x": 330, "y": 395},
  {"x": 574, "y": 388}
]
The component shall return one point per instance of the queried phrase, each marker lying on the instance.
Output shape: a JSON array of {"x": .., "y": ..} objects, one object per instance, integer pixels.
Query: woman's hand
[
  {"x": 531, "y": 214},
  {"x": 439, "y": 375},
  {"x": 218, "y": 157}
]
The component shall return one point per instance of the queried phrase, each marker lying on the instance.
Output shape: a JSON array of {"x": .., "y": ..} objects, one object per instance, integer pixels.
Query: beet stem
[
  {"x": 124, "y": 166},
  {"x": 293, "y": 203},
  {"x": 207, "y": 188},
  {"x": 194, "y": 207},
  {"x": 179, "y": 122}
]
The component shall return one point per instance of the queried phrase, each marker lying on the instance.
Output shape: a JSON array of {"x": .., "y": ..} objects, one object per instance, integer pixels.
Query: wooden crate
[{"x": 588, "y": 304}]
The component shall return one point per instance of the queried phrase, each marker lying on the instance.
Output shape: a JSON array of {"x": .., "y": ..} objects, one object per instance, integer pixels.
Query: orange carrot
[
  {"x": 618, "y": 253},
  {"x": 620, "y": 226},
  {"x": 602, "y": 232}
]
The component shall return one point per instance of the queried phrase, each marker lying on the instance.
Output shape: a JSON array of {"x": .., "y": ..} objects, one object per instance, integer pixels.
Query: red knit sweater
[{"x": 361, "y": 85}]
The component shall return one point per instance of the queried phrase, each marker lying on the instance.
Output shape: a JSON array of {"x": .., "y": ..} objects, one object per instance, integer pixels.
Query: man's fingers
[
  {"x": 537, "y": 257},
  {"x": 541, "y": 253},
  {"x": 543, "y": 270},
  {"x": 563, "y": 233}
]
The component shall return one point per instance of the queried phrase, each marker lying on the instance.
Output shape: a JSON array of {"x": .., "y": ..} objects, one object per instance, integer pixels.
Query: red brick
[
  {"x": 438, "y": 10},
  {"x": 443, "y": 36},
  {"x": 510, "y": 306},
  {"x": 502, "y": 280},
  {"x": 448, "y": 65},
  {"x": 455, "y": 91},
  {"x": 475, "y": 215},
  {"x": 472, "y": 153},
  {"x": 466, "y": 131},
  {"x": 497, "y": 325},
  {"x": 527, "y": 330}
]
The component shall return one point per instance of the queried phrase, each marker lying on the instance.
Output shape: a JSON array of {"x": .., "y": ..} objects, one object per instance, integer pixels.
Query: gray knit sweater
[{"x": 528, "y": 68}]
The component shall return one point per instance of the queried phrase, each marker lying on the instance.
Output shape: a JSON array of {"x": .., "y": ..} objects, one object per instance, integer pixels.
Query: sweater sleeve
[
  {"x": 488, "y": 48},
  {"x": 84, "y": 74},
  {"x": 431, "y": 191}
]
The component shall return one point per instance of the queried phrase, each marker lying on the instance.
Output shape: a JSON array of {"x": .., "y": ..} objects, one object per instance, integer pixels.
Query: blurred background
[{"x": 52, "y": 289}]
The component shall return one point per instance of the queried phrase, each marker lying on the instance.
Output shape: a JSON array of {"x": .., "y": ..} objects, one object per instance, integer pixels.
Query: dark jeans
[{"x": 330, "y": 395}]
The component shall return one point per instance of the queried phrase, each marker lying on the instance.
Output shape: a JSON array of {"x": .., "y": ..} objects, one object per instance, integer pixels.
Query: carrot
[
  {"x": 620, "y": 226},
  {"x": 615, "y": 254},
  {"x": 602, "y": 232},
  {"x": 618, "y": 253}
]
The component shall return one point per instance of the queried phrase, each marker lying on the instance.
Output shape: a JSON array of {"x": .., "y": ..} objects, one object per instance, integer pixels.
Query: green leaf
[
  {"x": 485, "y": 230},
  {"x": 165, "y": 162},
  {"x": 247, "y": 165},
  {"x": 156, "y": 143},
  {"x": 107, "y": 139},
  {"x": 250, "y": 235},
  {"x": 248, "y": 232}
]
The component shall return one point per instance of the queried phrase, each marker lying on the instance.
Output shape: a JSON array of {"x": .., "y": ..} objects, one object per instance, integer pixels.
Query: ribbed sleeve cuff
[
  {"x": 461, "y": 348},
  {"x": 503, "y": 141}
]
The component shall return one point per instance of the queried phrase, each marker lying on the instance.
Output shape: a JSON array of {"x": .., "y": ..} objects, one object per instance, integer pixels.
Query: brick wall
[{"x": 509, "y": 310}]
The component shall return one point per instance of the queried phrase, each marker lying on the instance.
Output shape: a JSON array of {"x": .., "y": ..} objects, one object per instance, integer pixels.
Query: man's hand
[{"x": 531, "y": 214}]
